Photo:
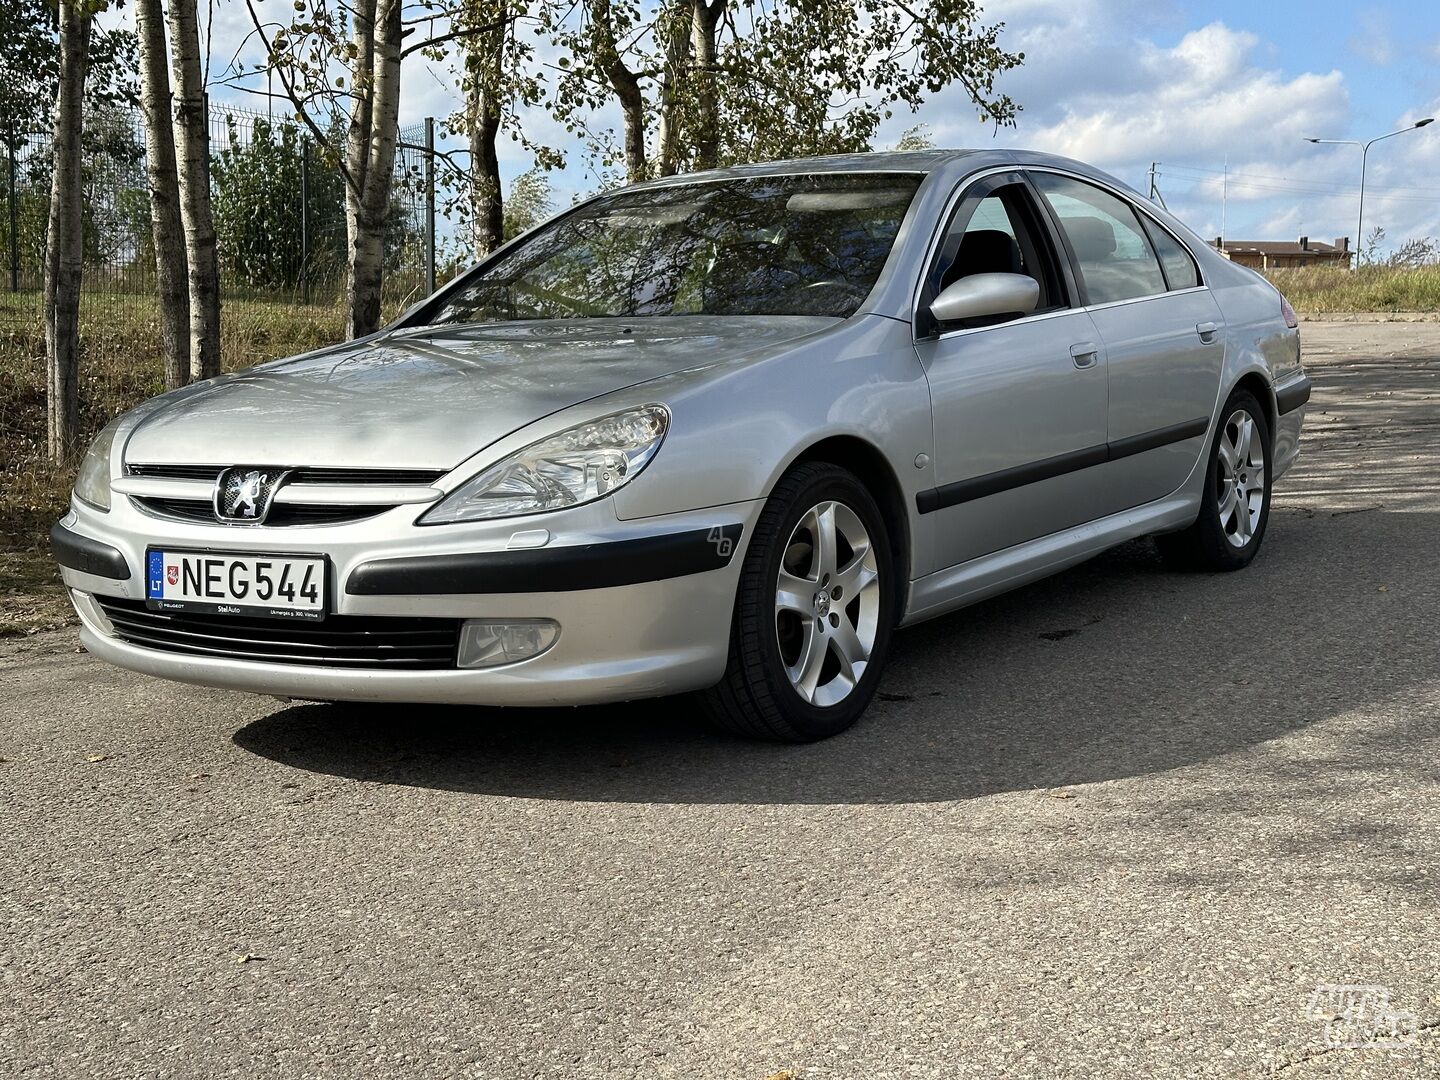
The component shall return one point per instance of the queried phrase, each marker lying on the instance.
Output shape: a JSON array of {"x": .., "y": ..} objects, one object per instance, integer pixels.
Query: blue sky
[
  {"x": 1194, "y": 85},
  {"x": 1392, "y": 51},
  {"x": 1191, "y": 85}
]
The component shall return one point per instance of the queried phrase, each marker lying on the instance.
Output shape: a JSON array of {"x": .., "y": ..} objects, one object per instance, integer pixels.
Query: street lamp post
[{"x": 1364, "y": 154}]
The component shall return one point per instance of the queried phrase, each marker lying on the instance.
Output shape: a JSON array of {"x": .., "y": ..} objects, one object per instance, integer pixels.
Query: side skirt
[{"x": 970, "y": 582}]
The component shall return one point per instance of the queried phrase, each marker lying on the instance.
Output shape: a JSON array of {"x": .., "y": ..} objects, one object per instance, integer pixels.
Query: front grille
[
  {"x": 281, "y": 514},
  {"x": 177, "y": 472},
  {"x": 297, "y": 476},
  {"x": 351, "y": 641}
]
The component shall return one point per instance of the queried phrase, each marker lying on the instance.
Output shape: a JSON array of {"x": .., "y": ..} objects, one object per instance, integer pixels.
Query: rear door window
[{"x": 1112, "y": 251}]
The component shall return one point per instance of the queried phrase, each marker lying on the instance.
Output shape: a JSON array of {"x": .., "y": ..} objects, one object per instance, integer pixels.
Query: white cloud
[
  {"x": 1372, "y": 41},
  {"x": 1120, "y": 85}
]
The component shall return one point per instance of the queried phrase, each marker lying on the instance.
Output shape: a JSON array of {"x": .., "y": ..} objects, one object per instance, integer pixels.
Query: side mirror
[{"x": 980, "y": 296}]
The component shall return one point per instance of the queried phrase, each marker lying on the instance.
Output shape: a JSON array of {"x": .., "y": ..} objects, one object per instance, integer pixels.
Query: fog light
[{"x": 492, "y": 642}]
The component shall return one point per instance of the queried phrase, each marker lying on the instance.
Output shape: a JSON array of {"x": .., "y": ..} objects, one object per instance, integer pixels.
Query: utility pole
[
  {"x": 1224, "y": 195},
  {"x": 1155, "y": 195},
  {"x": 1364, "y": 155}
]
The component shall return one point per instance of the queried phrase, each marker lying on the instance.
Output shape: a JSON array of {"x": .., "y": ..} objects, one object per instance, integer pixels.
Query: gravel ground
[{"x": 1121, "y": 823}]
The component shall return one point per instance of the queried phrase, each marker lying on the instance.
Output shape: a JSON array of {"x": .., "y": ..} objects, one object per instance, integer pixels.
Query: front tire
[
  {"x": 1235, "y": 505},
  {"x": 813, "y": 612}
]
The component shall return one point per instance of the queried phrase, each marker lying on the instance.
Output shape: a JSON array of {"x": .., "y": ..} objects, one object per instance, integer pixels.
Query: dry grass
[
  {"x": 1321, "y": 290},
  {"x": 32, "y": 598},
  {"x": 119, "y": 366},
  {"x": 120, "y": 348}
]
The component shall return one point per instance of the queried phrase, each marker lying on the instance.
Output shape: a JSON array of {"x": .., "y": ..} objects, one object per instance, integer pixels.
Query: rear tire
[
  {"x": 813, "y": 612},
  {"x": 1235, "y": 505}
]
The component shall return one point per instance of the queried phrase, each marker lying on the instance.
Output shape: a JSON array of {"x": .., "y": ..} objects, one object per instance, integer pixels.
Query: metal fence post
[
  {"x": 14, "y": 236},
  {"x": 305, "y": 220},
  {"x": 429, "y": 205}
]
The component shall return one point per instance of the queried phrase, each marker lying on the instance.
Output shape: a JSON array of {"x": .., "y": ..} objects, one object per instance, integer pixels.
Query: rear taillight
[{"x": 1289, "y": 312}]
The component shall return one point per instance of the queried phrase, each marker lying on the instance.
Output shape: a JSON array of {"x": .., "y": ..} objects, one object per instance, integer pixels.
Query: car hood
[{"x": 427, "y": 398}]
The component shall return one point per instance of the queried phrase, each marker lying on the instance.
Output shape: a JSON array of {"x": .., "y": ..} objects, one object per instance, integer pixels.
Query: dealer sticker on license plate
[{"x": 278, "y": 586}]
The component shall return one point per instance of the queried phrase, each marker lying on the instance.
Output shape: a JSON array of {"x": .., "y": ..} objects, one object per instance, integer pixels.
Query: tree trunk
[
  {"x": 487, "y": 202},
  {"x": 192, "y": 127},
  {"x": 704, "y": 25},
  {"x": 65, "y": 238},
  {"x": 675, "y": 26},
  {"x": 370, "y": 158},
  {"x": 627, "y": 89},
  {"x": 485, "y": 61},
  {"x": 170, "y": 264}
]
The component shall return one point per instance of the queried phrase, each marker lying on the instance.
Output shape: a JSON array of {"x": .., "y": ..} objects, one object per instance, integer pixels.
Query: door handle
[
  {"x": 1207, "y": 331},
  {"x": 1085, "y": 353}
]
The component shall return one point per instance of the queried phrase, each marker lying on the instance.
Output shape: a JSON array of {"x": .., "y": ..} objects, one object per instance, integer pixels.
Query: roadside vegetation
[
  {"x": 120, "y": 351},
  {"x": 1324, "y": 290},
  {"x": 120, "y": 365}
]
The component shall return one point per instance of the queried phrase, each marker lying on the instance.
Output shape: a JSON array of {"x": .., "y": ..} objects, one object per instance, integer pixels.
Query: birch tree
[
  {"x": 171, "y": 272},
  {"x": 370, "y": 158},
  {"x": 500, "y": 79},
  {"x": 65, "y": 235},
  {"x": 339, "y": 60},
  {"x": 709, "y": 82},
  {"x": 485, "y": 58},
  {"x": 340, "y": 64},
  {"x": 30, "y": 60},
  {"x": 192, "y": 141}
]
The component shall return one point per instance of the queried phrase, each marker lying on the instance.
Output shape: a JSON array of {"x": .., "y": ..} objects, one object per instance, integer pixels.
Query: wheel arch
[
  {"x": 1256, "y": 382},
  {"x": 870, "y": 465}
]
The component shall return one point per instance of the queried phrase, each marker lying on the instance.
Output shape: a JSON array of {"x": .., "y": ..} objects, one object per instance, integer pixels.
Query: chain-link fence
[{"x": 278, "y": 199}]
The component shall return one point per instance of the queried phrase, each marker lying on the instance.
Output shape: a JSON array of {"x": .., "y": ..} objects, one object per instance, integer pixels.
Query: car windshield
[{"x": 773, "y": 245}]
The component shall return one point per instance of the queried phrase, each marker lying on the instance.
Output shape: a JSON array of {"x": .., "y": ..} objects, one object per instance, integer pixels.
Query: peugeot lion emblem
[{"x": 243, "y": 494}]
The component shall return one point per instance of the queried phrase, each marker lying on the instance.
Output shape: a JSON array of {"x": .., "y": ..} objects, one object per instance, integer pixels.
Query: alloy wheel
[
  {"x": 827, "y": 603},
  {"x": 1240, "y": 478}
]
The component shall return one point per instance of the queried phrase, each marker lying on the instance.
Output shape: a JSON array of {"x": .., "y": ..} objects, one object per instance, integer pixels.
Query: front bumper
[{"x": 644, "y": 607}]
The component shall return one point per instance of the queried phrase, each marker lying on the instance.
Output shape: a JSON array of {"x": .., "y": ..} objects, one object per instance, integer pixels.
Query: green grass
[{"x": 1321, "y": 290}]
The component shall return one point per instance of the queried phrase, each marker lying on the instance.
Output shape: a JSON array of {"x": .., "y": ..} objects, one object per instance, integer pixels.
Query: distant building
[{"x": 1275, "y": 254}]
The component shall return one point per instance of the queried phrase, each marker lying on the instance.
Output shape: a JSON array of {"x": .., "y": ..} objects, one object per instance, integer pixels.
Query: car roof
[
  {"x": 914, "y": 161},
  {"x": 955, "y": 162}
]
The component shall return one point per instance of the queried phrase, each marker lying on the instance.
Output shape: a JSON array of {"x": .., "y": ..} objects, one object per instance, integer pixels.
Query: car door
[
  {"x": 1018, "y": 404},
  {"x": 1162, "y": 332}
]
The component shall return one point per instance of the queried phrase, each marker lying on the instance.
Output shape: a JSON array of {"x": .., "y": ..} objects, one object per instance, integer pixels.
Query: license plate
[{"x": 275, "y": 586}]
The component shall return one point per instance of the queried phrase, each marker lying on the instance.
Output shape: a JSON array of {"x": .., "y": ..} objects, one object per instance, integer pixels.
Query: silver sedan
[{"x": 719, "y": 433}]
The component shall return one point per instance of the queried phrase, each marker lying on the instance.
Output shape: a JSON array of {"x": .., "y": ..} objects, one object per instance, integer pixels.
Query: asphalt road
[{"x": 1121, "y": 823}]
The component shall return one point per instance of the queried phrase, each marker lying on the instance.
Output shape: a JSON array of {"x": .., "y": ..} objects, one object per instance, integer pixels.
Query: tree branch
[
  {"x": 468, "y": 31},
  {"x": 304, "y": 115}
]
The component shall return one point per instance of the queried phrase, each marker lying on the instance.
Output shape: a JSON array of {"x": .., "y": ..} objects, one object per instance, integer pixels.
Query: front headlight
[
  {"x": 92, "y": 482},
  {"x": 576, "y": 466}
]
